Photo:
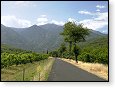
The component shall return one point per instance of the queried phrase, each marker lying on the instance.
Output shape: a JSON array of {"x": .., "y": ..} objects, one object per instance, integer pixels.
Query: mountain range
[{"x": 38, "y": 38}]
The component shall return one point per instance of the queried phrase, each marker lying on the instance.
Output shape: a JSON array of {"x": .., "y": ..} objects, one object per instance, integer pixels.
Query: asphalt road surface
[{"x": 63, "y": 71}]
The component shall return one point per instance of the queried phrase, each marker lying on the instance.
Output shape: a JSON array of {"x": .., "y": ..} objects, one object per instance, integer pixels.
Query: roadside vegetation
[
  {"x": 22, "y": 65},
  {"x": 36, "y": 71},
  {"x": 95, "y": 51}
]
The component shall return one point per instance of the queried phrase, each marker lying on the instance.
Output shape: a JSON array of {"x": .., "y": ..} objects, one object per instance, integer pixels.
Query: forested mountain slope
[{"x": 38, "y": 38}]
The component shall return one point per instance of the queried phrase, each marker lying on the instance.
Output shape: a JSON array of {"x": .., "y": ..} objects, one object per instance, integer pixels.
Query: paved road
[{"x": 63, "y": 71}]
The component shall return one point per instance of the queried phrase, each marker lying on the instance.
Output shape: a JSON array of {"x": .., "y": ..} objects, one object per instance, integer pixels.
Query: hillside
[
  {"x": 10, "y": 49},
  {"x": 38, "y": 38},
  {"x": 95, "y": 51},
  {"x": 13, "y": 38},
  {"x": 99, "y": 42}
]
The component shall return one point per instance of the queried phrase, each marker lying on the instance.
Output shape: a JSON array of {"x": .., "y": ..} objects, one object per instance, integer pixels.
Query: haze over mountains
[{"x": 37, "y": 38}]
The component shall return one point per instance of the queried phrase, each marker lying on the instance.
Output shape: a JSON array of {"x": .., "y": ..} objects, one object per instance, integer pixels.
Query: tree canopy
[{"x": 74, "y": 33}]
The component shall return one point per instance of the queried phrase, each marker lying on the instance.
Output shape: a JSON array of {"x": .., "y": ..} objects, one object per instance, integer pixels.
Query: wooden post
[
  {"x": 39, "y": 70},
  {"x": 39, "y": 75},
  {"x": 23, "y": 73}
]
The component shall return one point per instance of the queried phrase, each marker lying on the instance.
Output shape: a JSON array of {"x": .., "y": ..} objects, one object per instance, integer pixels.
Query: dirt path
[{"x": 63, "y": 71}]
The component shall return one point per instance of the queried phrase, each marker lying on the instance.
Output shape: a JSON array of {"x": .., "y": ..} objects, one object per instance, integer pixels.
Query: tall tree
[
  {"x": 67, "y": 27},
  {"x": 74, "y": 33}
]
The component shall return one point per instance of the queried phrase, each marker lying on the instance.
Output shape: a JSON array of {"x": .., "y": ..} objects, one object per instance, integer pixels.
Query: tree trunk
[
  {"x": 75, "y": 52},
  {"x": 70, "y": 45},
  {"x": 76, "y": 58},
  {"x": 47, "y": 51}
]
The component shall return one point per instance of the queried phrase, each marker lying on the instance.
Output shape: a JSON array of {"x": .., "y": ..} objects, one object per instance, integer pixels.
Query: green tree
[
  {"x": 73, "y": 34},
  {"x": 54, "y": 53},
  {"x": 62, "y": 49},
  {"x": 67, "y": 27}
]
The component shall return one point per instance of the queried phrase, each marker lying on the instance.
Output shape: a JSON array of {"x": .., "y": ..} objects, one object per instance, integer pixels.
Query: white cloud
[
  {"x": 13, "y": 21},
  {"x": 43, "y": 15},
  {"x": 85, "y": 12},
  {"x": 93, "y": 24},
  {"x": 71, "y": 20},
  {"x": 100, "y": 6},
  {"x": 98, "y": 21},
  {"x": 58, "y": 22},
  {"x": 42, "y": 20},
  {"x": 24, "y": 23},
  {"x": 102, "y": 16},
  {"x": 98, "y": 10}
]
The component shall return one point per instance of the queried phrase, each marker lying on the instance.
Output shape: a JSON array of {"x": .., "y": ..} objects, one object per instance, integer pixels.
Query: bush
[
  {"x": 97, "y": 55},
  {"x": 8, "y": 59}
]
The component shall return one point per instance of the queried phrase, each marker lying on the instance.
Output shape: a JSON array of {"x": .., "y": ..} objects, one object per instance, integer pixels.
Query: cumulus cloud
[
  {"x": 98, "y": 10},
  {"x": 57, "y": 22},
  {"x": 102, "y": 16},
  {"x": 100, "y": 6},
  {"x": 85, "y": 12},
  {"x": 42, "y": 20},
  {"x": 71, "y": 20},
  {"x": 24, "y": 23},
  {"x": 13, "y": 21},
  {"x": 93, "y": 24},
  {"x": 43, "y": 15},
  {"x": 96, "y": 23}
]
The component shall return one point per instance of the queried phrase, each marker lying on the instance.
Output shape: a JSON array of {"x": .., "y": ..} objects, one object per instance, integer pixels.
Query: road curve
[{"x": 63, "y": 71}]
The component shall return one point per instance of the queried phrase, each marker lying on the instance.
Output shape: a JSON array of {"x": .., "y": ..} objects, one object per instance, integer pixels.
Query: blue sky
[{"x": 93, "y": 14}]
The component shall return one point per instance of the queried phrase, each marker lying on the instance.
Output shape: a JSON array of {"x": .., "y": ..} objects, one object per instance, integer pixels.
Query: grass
[
  {"x": 100, "y": 70},
  {"x": 32, "y": 71},
  {"x": 43, "y": 70}
]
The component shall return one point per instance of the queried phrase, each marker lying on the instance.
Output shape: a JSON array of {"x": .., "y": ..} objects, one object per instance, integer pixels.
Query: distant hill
[
  {"x": 37, "y": 38},
  {"x": 10, "y": 49},
  {"x": 99, "y": 42},
  {"x": 11, "y": 37}
]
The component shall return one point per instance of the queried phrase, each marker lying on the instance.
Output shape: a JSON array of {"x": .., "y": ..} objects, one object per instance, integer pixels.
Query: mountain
[
  {"x": 11, "y": 37},
  {"x": 37, "y": 38},
  {"x": 94, "y": 34}
]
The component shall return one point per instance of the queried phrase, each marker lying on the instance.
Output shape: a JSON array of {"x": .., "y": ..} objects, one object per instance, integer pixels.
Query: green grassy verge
[{"x": 36, "y": 71}]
